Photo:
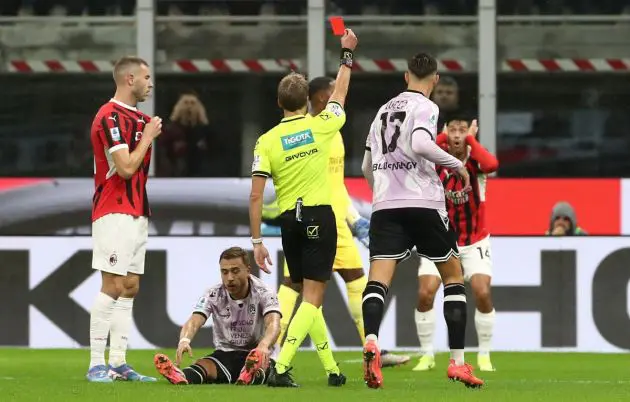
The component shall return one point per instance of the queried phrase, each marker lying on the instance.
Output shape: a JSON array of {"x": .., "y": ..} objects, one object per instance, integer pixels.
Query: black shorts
[
  {"x": 394, "y": 232},
  {"x": 310, "y": 245},
  {"x": 229, "y": 365}
]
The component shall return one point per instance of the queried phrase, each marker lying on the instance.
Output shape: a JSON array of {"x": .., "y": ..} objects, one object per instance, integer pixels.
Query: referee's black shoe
[
  {"x": 336, "y": 380},
  {"x": 284, "y": 380}
]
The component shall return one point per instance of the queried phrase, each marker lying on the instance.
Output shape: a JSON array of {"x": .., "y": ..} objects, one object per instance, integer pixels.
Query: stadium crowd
[{"x": 293, "y": 7}]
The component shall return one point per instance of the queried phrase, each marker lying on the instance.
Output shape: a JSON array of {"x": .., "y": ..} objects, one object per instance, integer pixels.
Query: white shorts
[
  {"x": 120, "y": 243},
  {"x": 475, "y": 259}
]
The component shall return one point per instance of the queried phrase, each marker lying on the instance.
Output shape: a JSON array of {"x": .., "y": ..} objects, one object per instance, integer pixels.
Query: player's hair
[
  {"x": 126, "y": 62},
  {"x": 318, "y": 84},
  {"x": 293, "y": 92},
  {"x": 235, "y": 252},
  {"x": 448, "y": 82},
  {"x": 422, "y": 65},
  {"x": 459, "y": 116}
]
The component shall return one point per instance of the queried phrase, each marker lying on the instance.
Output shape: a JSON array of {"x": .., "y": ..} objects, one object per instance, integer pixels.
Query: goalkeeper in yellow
[{"x": 348, "y": 262}]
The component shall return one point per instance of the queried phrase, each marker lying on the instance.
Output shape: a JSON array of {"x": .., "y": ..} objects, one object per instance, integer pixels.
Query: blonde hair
[
  {"x": 293, "y": 92},
  {"x": 197, "y": 115}
]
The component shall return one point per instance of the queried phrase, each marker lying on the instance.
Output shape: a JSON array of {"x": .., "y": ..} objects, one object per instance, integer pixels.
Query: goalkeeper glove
[{"x": 361, "y": 230}]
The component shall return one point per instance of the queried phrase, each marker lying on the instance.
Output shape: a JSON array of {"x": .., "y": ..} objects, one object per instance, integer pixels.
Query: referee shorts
[{"x": 310, "y": 245}]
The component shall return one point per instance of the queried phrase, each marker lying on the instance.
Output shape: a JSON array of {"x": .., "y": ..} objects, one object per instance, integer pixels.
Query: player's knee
[
  {"x": 351, "y": 275},
  {"x": 130, "y": 286},
  {"x": 426, "y": 296},
  {"x": 111, "y": 285},
  {"x": 290, "y": 284}
]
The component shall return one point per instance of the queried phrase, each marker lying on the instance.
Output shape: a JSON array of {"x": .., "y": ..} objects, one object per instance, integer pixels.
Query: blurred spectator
[
  {"x": 184, "y": 144},
  {"x": 563, "y": 221},
  {"x": 446, "y": 96}
]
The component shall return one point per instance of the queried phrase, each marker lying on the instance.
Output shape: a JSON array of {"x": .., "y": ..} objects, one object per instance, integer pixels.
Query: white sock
[
  {"x": 458, "y": 356},
  {"x": 119, "y": 332},
  {"x": 275, "y": 352},
  {"x": 485, "y": 326},
  {"x": 372, "y": 337},
  {"x": 425, "y": 325},
  {"x": 100, "y": 322}
]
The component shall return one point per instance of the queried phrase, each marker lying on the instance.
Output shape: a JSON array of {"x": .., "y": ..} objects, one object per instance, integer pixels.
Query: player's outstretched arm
[
  {"x": 186, "y": 335},
  {"x": 128, "y": 163},
  {"x": 349, "y": 42},
  {"x": 270, "y": 334}
]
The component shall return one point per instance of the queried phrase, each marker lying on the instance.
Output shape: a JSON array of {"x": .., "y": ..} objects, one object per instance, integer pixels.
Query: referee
[{"x": 295, "y": 154}]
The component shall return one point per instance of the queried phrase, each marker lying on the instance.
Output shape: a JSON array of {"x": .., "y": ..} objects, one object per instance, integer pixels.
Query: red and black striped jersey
[
  {"x": 467, "y": 210},
  {"x": 117, "y": 126}
]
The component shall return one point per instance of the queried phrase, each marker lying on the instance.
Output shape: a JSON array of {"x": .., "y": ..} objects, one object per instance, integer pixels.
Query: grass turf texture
[{"x": 59, "y": 375}]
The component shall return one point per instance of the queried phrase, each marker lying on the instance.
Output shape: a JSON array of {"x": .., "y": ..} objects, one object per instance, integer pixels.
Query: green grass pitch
[{"x": 58, "y": 375}]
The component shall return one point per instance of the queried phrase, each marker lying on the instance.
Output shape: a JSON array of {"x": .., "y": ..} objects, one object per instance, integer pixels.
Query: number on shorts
[
  {"x": 482, "y": 253},
  {"x": 397, "y": 118}
]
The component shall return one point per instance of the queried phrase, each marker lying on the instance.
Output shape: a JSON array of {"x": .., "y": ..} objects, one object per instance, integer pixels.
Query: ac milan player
[
  {"x": 121, "y": 139},
  {"x": 408, "y": 209},
  {"x": 466, "y": 211}
]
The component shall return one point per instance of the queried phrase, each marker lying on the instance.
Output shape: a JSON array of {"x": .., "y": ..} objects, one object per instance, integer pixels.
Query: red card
[{"x": 338, "y": 26}]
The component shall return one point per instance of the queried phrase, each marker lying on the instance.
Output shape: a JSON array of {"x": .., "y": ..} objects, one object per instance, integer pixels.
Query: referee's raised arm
[{"x": 349, "y": 42}]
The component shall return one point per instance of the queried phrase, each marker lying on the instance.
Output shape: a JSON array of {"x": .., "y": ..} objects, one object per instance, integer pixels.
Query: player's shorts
[
  {"x": 475, "y": 259},
  {"x": 310, "y": 245},
  {"x": 229, "y": 365},
  {"x": 394, "y": 233},
  {"x": 347, "y": 255},
  {"x": 120, "y": 243}
]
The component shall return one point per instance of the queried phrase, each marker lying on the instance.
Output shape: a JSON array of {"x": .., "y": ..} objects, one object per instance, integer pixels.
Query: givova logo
[{"x": 296, "y": 140}]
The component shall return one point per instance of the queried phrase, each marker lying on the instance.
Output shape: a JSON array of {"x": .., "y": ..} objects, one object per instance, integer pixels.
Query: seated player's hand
[
  {"x": 183, "y": 347},
  {"x": 361, "y": 229},
  {"x": 261, "y": 256},
  {"x": 349, "y": 40},
  {"x": 264, "y": 354}
]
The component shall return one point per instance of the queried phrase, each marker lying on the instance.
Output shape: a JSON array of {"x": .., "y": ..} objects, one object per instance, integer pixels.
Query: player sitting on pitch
[
  {"x": 246, "y": 323},
  {"x": 466, "y": 212}
]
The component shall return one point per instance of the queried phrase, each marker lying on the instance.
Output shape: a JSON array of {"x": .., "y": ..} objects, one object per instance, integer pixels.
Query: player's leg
[
  {"x": 213, "y": 368},
  {"x": 389, "y": 244},
  {"x": 122, "y": 316},
  {"x": 428, "y": 284},
  {"x": 437, "y": 242},
  {"x": 112, "y": 260},
  {"x": 477, "y": 263}
]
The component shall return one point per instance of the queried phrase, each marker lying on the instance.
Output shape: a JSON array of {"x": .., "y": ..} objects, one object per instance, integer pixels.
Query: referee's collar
[{"x": 292, "y": 118}]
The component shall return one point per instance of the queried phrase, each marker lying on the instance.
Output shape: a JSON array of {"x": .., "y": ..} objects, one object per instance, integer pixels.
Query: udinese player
[
  {"x": 408, "y": 209},
  {"x": 121, "y": 140},
  {"x": 245, "y": 324},
  {"x": 295, "y": 154},
  {"x": 348, "y": 262},
  {"x": 466, "y": 212}
]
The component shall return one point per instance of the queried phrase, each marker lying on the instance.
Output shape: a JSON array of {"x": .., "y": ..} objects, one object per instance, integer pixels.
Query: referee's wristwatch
[{"x": 257, "y": 241}]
